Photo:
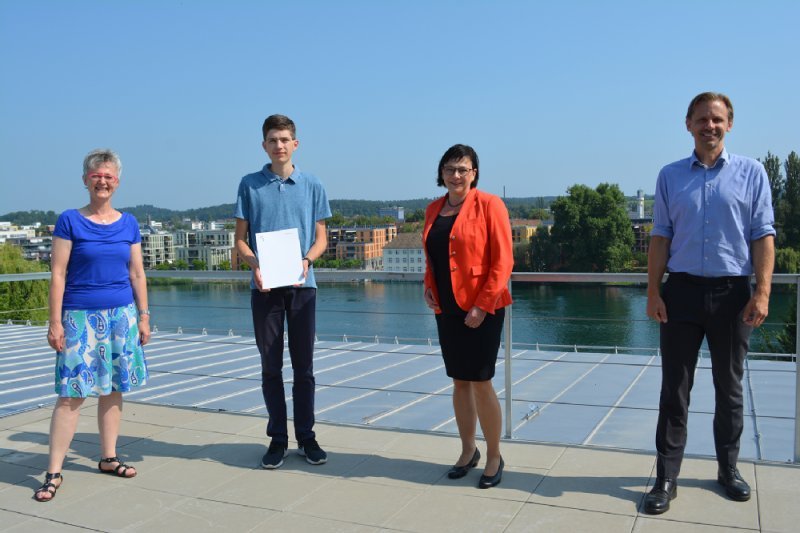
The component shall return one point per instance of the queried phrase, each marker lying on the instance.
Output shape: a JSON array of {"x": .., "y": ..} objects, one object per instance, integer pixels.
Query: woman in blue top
[{"x": 98, "y": 317}]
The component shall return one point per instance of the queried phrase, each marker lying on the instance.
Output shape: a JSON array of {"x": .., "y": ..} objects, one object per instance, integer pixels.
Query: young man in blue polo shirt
[
  {"x": 712, "y": 229},
  {"x": 279, "y": 197}
]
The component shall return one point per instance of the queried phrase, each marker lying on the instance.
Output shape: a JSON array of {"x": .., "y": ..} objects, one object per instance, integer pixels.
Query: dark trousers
[
  {"x": 297, "y": 308},
  {"x": 696, "y": 308}
]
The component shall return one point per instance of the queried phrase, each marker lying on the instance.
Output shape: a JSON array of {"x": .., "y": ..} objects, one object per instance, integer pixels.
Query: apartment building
[
  {"x": 404, "y": 254},
  {"x": 360, "y": 242},
  {"x": 210, "y": 246},
  {"x": 158, "y": 247}
]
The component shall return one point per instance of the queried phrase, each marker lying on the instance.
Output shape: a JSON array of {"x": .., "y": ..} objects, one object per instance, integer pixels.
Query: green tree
[
  {"x": 21, "y": 300},
  {"x": 791, "y": 203},
  {"x": 336, "y": 220},
  {"x": 198, "y": 265},
  {"x": 224, "y": 265},
  {"x": 787, "y": 261},
  {"x": 418, "y": 215},
  {"x": 522, "y": 257},
  {"x": 180, "y": 264},
  {"x": 544, "y": 254},
  {"x": 772, "y": 164},
  {"x": 592, "y": 230}
]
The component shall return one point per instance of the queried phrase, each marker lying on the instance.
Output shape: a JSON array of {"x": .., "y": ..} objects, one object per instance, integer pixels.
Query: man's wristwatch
[{"x": 310, "y": 262}]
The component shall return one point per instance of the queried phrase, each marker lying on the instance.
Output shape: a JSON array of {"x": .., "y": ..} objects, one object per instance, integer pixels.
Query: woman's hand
[
  {"x": 144, "y": 329},
  {"x": 475, "y": 317},
  {"x": 430, "y": 301},
  {"x": 55, "y": 336}
]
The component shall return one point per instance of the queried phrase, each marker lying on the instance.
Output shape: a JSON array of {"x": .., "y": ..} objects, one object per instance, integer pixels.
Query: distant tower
[{"x": 640, "y": 196}]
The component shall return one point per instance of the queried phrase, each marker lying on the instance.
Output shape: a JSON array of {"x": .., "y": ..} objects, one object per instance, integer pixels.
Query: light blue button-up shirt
[
  {"x": 712, "y": 214},
  {"x": 269, "y": 203}
]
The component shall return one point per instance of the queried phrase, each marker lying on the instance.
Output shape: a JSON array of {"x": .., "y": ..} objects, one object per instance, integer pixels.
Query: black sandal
[
  {"x": 49, "y": 487},
  {"x": 121, "y": 469}
]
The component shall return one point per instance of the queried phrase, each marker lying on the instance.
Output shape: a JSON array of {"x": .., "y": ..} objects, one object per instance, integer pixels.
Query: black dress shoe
[
  {"x": 457, "y": 472},
  {"x": 490, "y": 481},
  {"x": 657, "y": 500},
  {"x": 735, "y": 487}
]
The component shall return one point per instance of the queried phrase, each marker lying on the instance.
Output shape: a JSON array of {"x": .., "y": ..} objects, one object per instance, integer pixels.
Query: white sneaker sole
[
  {"x": 273, "y": 467},
  {"x": 302, "y": 453}
]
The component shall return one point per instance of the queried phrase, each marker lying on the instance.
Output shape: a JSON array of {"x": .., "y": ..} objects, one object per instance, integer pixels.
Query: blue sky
[{"x": 549, "y": 93}]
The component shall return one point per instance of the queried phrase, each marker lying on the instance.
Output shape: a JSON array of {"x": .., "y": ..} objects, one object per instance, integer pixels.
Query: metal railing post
[
  {"x": 507, "y": 329},
  {"x": 797, "y": 375}
]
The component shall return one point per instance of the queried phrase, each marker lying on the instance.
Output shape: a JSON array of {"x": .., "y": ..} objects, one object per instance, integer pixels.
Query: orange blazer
[{"x": 481, "y": 252}]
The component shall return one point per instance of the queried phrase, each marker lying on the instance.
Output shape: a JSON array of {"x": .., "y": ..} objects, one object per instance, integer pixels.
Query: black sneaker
[
  {"x": 274, "y": 457},
  {"x": 312, "y": 452}
]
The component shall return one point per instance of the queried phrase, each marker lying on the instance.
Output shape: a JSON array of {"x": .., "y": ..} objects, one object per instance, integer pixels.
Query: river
[{"x": 548, "y": 314}]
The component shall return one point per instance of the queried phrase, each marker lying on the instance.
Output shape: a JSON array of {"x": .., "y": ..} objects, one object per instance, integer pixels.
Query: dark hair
[
  {"x": 278, "y": 122},
  {"x": 456, "y": 152},
  {"x": 710, "y": 97}
]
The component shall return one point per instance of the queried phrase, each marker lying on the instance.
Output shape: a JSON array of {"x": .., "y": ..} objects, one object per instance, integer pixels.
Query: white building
[
  {"x": 210, "y": 246},
  {"x": 404, "y": 254},
  {"x": 158, "y": 247}
]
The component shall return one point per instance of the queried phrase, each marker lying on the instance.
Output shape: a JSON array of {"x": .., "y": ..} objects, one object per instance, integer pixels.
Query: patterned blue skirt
[{"x": 102, "y": 354}]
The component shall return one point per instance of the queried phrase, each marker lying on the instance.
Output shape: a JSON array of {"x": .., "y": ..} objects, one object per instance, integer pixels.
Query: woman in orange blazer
[{"x": 467, "y": 241}]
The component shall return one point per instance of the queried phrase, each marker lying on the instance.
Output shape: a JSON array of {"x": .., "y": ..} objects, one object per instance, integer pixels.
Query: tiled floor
[{"x": 199, "y": 471}]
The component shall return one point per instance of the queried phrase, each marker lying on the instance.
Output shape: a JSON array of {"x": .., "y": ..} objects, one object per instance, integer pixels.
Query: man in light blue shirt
[
  {"x": 713, "y": 229},
  {"x": 276, "y": 198}
]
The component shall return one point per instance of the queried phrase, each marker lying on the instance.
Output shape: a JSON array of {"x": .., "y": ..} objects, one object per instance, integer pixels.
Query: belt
[{"x": 702, "y": 280}]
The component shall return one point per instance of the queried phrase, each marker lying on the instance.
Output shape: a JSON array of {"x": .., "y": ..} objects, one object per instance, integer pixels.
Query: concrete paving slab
[
  {"x": 299, "y": 523},
  {"x": 233, "y": 450},
  {"x": 28, "y": 417},
  {"x": 436, "y": 512},
  {"x": 778, "y": 496},
  {"x": 199, "y": 516},
  {"x": 355, "y": 501},
  {"x": 276, "y": 490},
  {"x": 392, "y": 470},
  {"x": 536, "y": 518},
  {"x": 39, "y": 524},
  {"x": 355, "y": 438},
  {"x": 650, "y": 525},
  {"x": 225, "y": 423},
  {"x": 186, "y": 477},
  {"x": 596, "y": 480}
]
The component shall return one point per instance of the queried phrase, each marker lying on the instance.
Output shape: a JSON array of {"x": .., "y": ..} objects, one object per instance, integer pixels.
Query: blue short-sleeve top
[{"x": 98, "y": 273}]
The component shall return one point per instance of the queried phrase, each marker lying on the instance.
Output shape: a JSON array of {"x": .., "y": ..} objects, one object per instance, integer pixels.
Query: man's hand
[
  {"x": 656, "y": 308},
  {"x": 475, "y": 317},
  {"x": 306, "y": 265},
  {"x": 756, "y": 310},
  {"x": 257, "y": 276}
]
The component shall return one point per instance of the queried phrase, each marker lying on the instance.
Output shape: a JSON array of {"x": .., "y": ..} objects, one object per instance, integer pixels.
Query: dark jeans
[
  {"x": 696, "y": 308},
  {"x": 297, "y": 307}
]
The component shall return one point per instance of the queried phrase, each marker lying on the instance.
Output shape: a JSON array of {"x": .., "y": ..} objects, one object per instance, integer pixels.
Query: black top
[{"x": 438, "y": 247}]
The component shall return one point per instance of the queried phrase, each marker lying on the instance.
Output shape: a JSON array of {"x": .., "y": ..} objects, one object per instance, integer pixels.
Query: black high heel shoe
[
  {"x": 487, "y": 482},
  {"x": 457, "y": 472}
]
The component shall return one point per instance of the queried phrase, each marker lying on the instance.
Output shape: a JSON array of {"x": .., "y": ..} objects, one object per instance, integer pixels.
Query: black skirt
[{"x": 470, "y": 354}]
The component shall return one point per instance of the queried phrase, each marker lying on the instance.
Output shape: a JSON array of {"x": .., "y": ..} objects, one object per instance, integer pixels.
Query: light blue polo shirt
[{"x": 268, "y": 203}]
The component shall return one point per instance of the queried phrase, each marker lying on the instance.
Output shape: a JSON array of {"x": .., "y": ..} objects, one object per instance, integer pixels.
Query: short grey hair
[{"x": 98, "y": 157}]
